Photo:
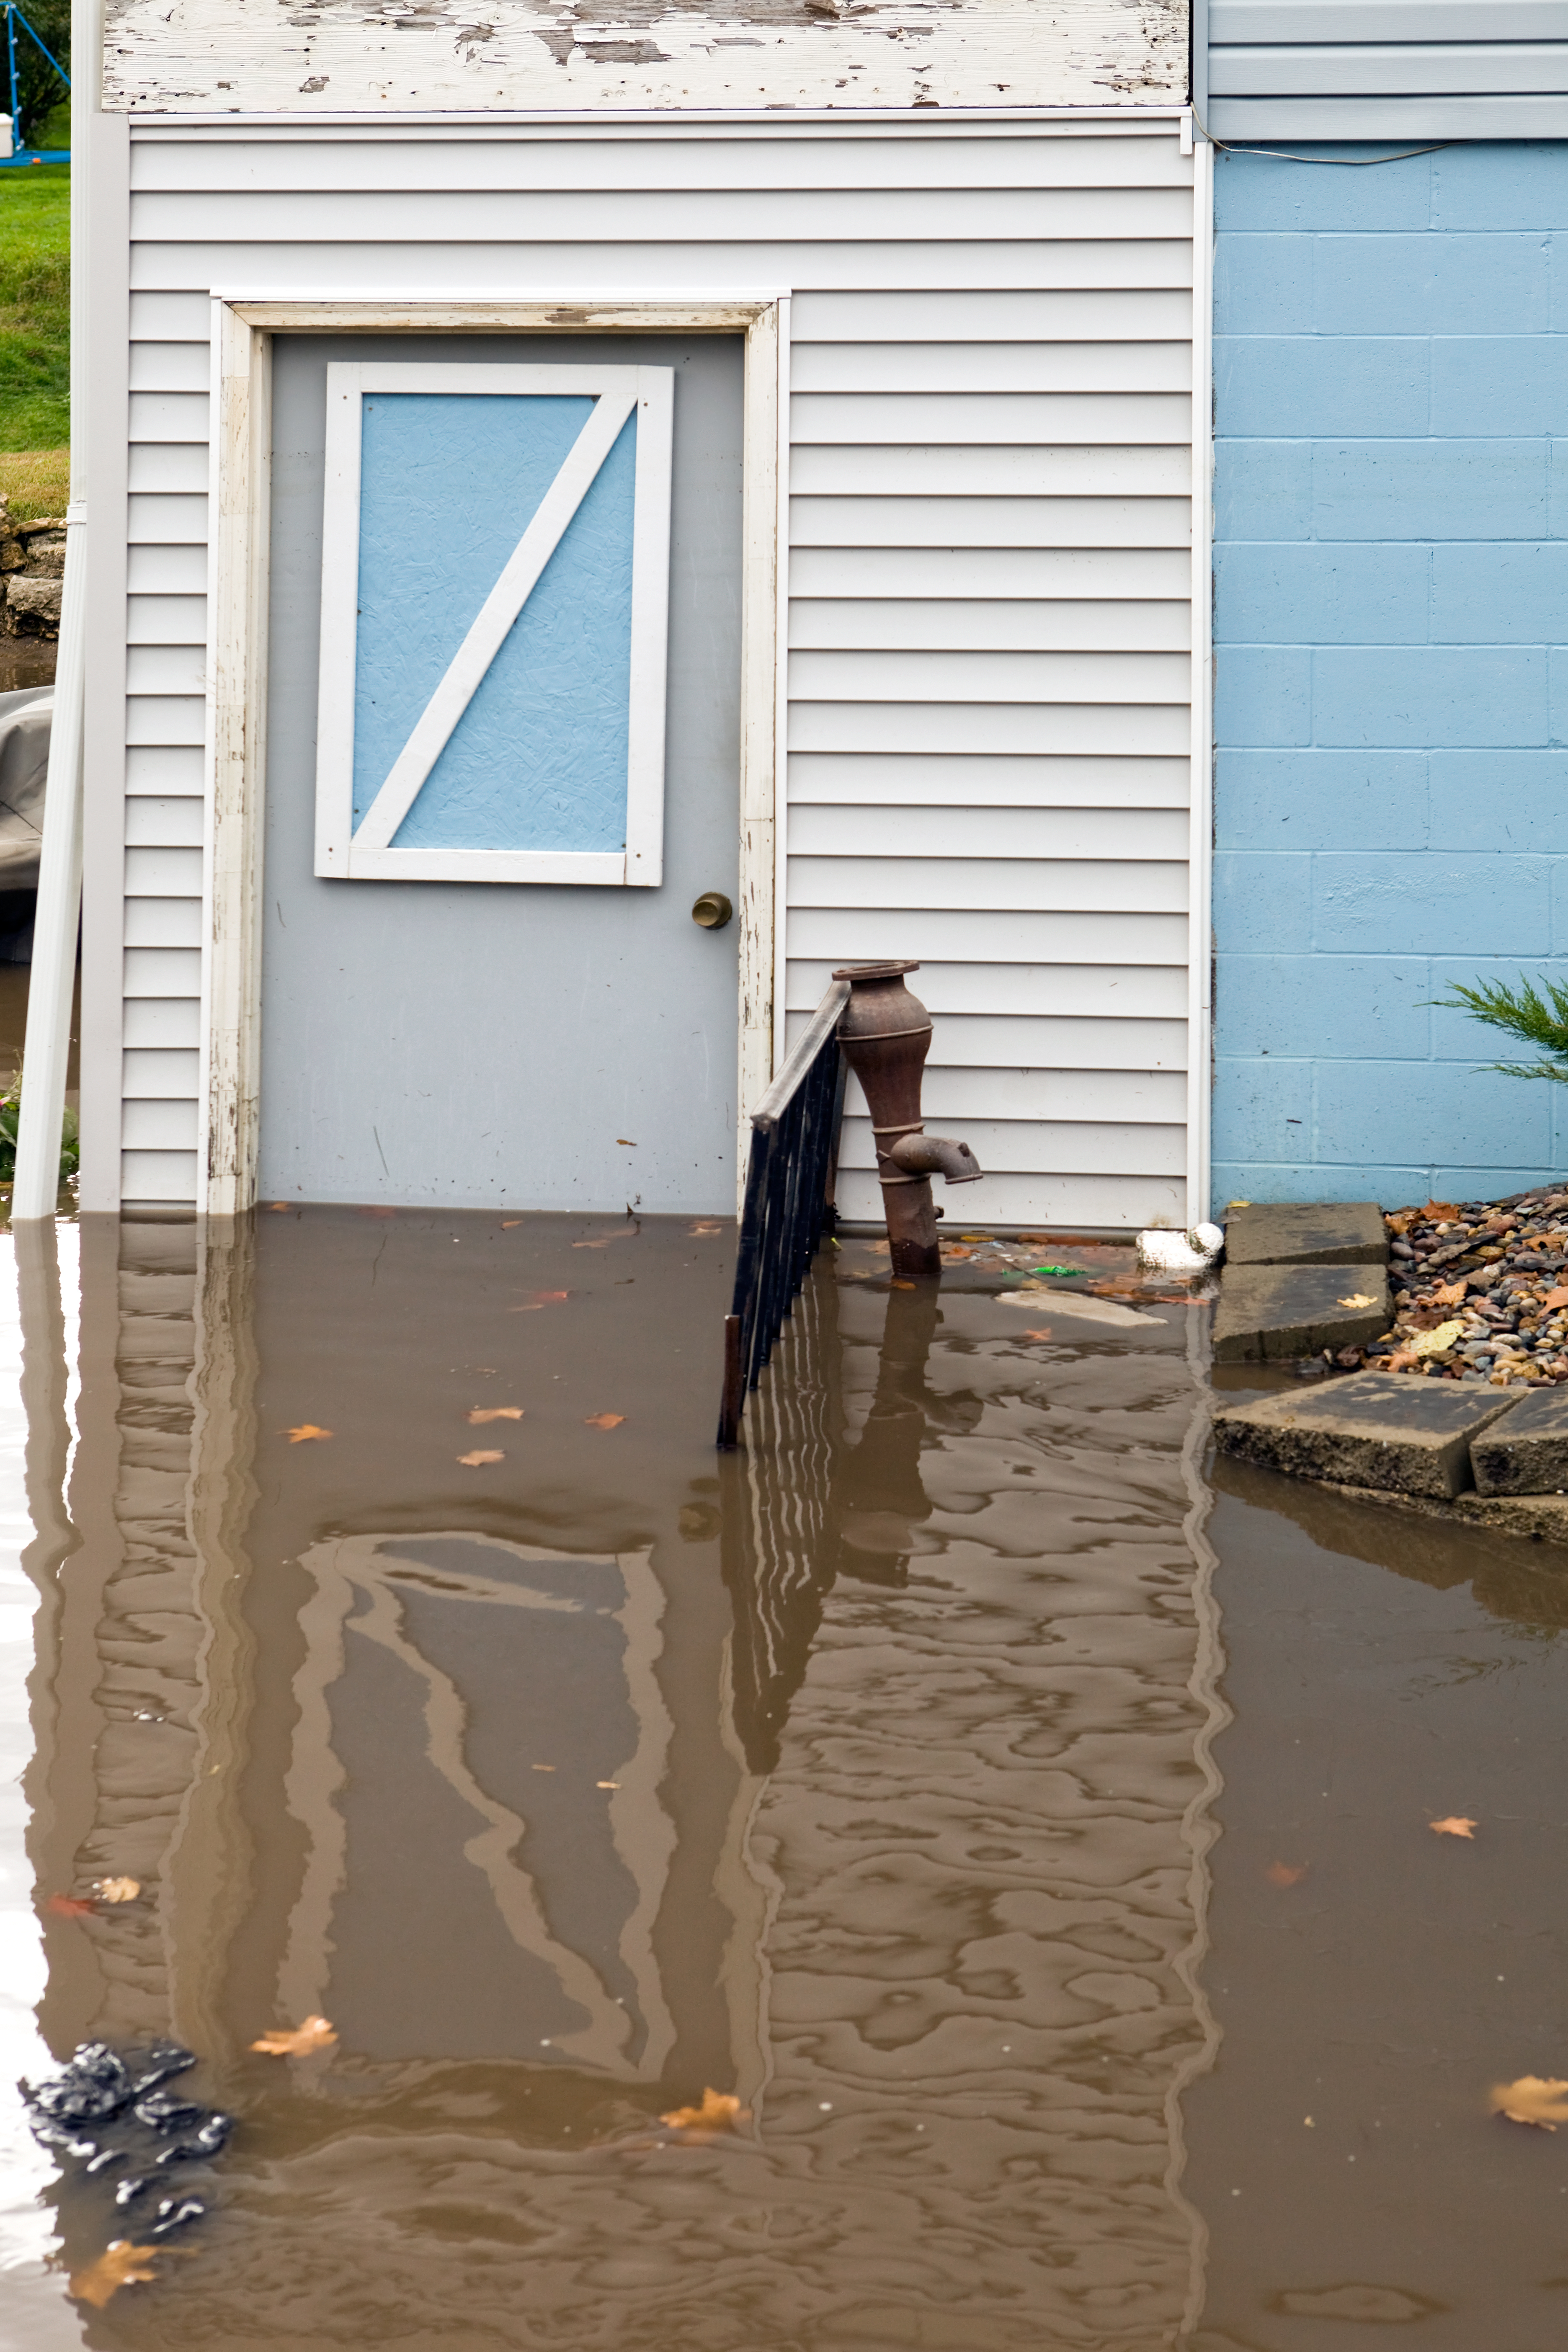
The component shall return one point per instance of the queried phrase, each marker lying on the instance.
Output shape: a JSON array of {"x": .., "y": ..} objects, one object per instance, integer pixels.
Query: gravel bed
[{"x": 1481, "y": 1292}]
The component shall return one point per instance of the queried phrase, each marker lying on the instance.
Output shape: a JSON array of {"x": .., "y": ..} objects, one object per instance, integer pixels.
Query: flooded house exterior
[{"x": 550, "y": 470}]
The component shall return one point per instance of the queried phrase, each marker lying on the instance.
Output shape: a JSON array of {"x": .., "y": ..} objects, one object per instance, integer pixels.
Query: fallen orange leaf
[
  {"x": 1531, "y": 2100},
  {"x": 69, "y": 1906},
  {"x": 1444, "y": 1209},
  {"x": 1452, "y": 1294},
  {"x": 1456, "y": 1825},
  {"x": 540, "y": 1298},
  {"x": 1357, "y": 1298},
  {"x": 306, "y": 1430},
  {"x": 705, "y": 1229},
  {"x": 1285, "y": 1874},
  {"x": 604, "y": 1420},
  {"x": 121, "y": 2264},
  {"x": 118, "y": 1890},
  {"x": 1556, "y": 1298},
  {"x": 278, "y": 1205},
  {"x": 627, "y": 1140},
  {"x": 1038, "y": 1335},
  {"x": 897, "y": 1283},
  {"x": 477, "y": 1460},
  {"x": 606, "y": 1784},
  {"x": 507, "y": 1224},
  {"x": 298, "y": 2040},
  {"x": 495, "y": 1412},
  {"x": 720, "y": 2111},
  {"x": 602, "y": 1243}
]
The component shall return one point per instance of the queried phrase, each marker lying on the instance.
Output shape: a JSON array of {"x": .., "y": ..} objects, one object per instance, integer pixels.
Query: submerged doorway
[{"x": 537, "y": 1045}]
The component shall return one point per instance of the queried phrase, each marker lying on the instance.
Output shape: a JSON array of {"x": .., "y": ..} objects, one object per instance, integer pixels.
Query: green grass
[{"x": 35, "y": 308}]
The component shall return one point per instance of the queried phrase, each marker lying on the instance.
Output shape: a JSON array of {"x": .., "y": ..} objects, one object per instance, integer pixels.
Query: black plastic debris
[
  {"x": 163, "y": 2113},
  {"x": 173, "y": 2213},
  {"x": 157, "y": 2064},
  {"x": 95, "y": 2083},
  {"x": 135, "y": 2123},
  {"x": 211, "y": 2137}
]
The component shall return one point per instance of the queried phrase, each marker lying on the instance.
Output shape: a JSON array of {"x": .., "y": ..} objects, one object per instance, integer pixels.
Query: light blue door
[{"x": 503, "y": 753}]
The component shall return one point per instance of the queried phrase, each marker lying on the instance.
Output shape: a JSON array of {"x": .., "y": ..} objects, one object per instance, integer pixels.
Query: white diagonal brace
[{"x": 496, "y": 616}]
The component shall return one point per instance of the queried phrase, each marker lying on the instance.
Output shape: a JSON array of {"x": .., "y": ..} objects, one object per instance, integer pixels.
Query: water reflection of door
[{"x": 477, "y": 1762}]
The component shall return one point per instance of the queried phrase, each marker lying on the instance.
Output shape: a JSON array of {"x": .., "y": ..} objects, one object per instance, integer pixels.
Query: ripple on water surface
[{"x": 760, "y": 1901}]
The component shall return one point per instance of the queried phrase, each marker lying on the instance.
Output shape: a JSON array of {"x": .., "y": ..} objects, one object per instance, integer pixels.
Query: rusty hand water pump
[{"x": 884, "y": 1035}]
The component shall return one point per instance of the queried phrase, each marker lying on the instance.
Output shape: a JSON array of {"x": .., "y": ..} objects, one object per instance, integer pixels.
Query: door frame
[{"x": 244, "y": 324}]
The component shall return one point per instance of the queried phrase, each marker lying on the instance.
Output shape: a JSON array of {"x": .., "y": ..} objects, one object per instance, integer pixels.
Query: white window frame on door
[
  {"x": 245, "y": 320},
  {"x": 366, "y": 852}
]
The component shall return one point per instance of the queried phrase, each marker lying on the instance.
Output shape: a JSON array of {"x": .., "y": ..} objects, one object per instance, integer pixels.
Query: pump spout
[{"x": 936, "y": 1155}]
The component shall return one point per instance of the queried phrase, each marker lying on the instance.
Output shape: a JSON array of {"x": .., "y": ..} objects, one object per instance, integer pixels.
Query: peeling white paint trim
[{"x": 218, "y": 57}]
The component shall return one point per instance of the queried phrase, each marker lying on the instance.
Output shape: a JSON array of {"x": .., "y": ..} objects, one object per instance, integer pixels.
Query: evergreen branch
[
  {"x": 1522, "y": 1012},
  {"x": 1557, "y": 1070}
]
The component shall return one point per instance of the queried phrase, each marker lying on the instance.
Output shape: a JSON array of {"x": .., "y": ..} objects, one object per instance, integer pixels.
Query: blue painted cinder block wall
[{"x": 1391, "y": 575}]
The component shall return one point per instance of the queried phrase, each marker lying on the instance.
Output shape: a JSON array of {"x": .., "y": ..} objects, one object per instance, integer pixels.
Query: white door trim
[
  {"x": 244, "y": 323},
  {"x": 1200, "y": 863}
]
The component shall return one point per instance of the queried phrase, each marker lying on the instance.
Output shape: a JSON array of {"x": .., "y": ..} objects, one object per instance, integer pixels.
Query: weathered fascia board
[{"x": 246, "y": 57}]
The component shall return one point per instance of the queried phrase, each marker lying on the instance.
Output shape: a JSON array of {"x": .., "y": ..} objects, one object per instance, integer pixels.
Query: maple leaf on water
[
  {"x": 118, "y": 1890},
  {"x": 69, "y": 1906},
  {"x": 298, "y": 2040},
  {"x": 720, "y": 2111},
  {"x": 477, "y": 1460},
  {"x": 1285, "y": 1874},
  {"x": 306, "y": 1430},
  {"x": 1455, "y": 1825},
  {"x": 120, "y": 2264},
  {"x": 495, "y": 1412},
  {"x": 1531, "y": 2100},
  {"x": 604, "y": 1421},
  {"x": 1044, "y": 1333}
]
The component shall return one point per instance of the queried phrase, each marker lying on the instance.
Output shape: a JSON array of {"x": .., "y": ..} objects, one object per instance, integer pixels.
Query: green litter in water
[{"x": 1059, "y": 1269}]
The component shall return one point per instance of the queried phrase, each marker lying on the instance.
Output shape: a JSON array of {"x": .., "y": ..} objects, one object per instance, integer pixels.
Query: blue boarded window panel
[{"x": 495, "y": 579}]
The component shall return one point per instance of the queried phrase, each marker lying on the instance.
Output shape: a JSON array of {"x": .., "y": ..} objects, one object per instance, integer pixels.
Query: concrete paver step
[
  {"x": 1387, "y": 1430},
  {"x": 1528, "y": 1452},
  {"x": 1313, "y": 1233},
  {"x": 1283, "y": 1311}
]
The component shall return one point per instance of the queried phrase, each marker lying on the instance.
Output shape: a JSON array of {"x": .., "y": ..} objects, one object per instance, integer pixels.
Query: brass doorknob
[{"x": 712, "y": 910}]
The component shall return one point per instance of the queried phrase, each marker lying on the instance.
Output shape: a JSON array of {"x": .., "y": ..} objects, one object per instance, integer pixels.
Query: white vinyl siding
[
  {"x": 1388, "y": 68},
  {"x": 990, "y": 567}
]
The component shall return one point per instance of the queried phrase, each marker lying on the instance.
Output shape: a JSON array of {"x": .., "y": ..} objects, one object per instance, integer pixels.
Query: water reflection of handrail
[{"x": 789, "y": 1201}]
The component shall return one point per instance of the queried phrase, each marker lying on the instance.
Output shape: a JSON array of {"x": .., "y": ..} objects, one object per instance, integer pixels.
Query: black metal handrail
[{"x": 790, "y": 1179}]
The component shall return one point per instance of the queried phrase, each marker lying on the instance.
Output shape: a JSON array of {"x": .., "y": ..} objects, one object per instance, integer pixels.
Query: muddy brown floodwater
[{"x": 1015, "y": 1847}]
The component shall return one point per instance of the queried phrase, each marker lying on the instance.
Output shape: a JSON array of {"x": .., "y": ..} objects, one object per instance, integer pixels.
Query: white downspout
[{"x": 52, "y": 982}]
